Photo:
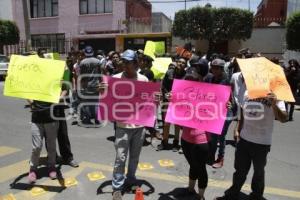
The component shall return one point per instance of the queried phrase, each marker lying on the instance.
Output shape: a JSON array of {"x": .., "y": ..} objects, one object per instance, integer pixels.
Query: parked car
[{"x": 4, "y": 61}]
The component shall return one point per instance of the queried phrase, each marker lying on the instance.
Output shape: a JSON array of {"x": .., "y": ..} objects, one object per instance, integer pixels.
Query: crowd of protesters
[{"x": 253, "y": 137}]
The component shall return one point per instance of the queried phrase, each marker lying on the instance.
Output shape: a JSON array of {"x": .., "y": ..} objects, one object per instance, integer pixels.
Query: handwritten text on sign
[
  {"x": 263, "y": 76},
  {"x": 198, "y": 105},
  {"x": 34, "y": 78},
  {"x": 129, "y": 101}
]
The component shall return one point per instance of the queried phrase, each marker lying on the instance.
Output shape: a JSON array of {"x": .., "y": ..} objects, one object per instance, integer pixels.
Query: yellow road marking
[
  {"x": 145, "y": 166},
  {"x": 8, "y": 197},
  {"x": 166, "y": 163},
  {"x": 4, "y": 150},
  {"x": 70, "y": 175},
  {"x": 69, "y": 182},
  {"x": 184, "y": 179},
  {"x": 12, "y": 171},
  {"x": 37, "y": 191},
  {"x": 95, "y": 176}
]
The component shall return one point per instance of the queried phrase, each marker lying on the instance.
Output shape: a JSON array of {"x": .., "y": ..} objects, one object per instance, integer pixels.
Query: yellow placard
[
  {"x": 160, "y": 67},
  {"x": 34, "y": 78},
  {"x": 145, "y": 166},
  {"x": 154, "y": 48},
  {"x": 94, "y": 176},
  {"x": 37, "y": 191},
  {"x": 166, "y": 163},
  {"x": 263, "y": 76},
  {"x": 150, "y": 49},
  {"x": 8, "y": 197},
  {"x": 160, "y": 48}
]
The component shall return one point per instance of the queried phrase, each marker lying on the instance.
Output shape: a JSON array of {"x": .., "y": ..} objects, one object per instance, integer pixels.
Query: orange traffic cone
[{"x": 139, "y": 194}]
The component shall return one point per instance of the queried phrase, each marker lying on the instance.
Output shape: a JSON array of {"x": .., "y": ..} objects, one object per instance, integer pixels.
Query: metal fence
[{"x": 61, "y": 46}]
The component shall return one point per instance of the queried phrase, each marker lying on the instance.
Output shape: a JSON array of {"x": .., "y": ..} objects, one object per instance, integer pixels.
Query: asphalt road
[{"x": 93, "y": 149}]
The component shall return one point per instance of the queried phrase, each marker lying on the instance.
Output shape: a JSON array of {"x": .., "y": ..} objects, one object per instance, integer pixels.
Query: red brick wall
[
  {"x": 272, "y": 11},
  {"x": 138, "y": 9}
]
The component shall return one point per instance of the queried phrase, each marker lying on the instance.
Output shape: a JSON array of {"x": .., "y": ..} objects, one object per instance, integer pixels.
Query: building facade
[
  {"x": 271, "y": 12},
  {"x": 161, "y": 23},
  {"x": 59, "y": 25}
]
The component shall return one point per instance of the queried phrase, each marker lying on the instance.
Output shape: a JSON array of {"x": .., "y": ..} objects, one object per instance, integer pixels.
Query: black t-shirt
[
  {"x": 41, "y": 112},
  {"x": 148, "y": 73},
  {"x": 168, "y": 79}
]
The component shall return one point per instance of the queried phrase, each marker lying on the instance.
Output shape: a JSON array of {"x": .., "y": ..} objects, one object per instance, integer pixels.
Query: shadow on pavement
[
  {"x": 180, "y": 194},
  {"x": 147, "y": 187},
  {"x": 41, "y": 172}
]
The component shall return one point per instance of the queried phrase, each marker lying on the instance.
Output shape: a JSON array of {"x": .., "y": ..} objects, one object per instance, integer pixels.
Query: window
[
  {"x": 95, "y": 6},
  {"x": 43, "y": 8},
  {"x": 52, "y": 42}
]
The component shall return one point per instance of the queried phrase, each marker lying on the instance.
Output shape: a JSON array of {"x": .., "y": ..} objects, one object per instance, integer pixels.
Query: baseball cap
[
  {"x": 129, "y": 55},
  {"x": 218, "y": 62},
  {"x": 88, "y": 51}
]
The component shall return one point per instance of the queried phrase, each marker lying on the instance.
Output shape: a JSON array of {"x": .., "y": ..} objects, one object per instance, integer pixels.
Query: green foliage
[
  {"x": 214, "y": 25},
  {"x": 293, "y": 32},
  {"x": 9, "y": 33}
]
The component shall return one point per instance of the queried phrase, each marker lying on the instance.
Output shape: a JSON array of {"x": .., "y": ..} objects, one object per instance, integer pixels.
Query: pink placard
[
  {"x": 198, "y": 105},
  {"x": 129, "y": 101}
]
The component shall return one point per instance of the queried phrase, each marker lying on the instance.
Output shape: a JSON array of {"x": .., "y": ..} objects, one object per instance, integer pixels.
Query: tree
[
  {"x": 293, "y": 32},
  {"x": 214, "y": 25},
  {"x": 9, "y": 33}
]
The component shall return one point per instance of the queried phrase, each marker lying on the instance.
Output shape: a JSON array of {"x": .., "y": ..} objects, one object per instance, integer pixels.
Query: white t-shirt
[
  {"x": 140, "y": 77},
  {"x": 239, "y": 88},
  {"x": 258, "y": 120}
]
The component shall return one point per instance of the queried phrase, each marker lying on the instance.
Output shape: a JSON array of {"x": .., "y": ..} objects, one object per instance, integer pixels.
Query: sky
[{"x": 170, "y": 8}]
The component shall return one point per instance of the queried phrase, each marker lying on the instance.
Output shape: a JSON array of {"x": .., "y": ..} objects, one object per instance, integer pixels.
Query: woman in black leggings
[
  {"x": 196, "y": 155},
  {"x": 195, "y": 142}
]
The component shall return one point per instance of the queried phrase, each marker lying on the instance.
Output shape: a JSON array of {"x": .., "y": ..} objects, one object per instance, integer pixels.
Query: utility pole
[
  {"x": 185, "y": 4},
  {"x": 249, "y": 5},
  {"x": 27, "y": 25}
]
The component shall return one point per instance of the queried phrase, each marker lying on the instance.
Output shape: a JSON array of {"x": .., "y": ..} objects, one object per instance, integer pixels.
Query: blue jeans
[{"x": 127, "y": 140}]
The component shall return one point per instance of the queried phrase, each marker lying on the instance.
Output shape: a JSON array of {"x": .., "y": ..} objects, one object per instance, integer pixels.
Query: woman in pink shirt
[{"x": 195, "y": 145}]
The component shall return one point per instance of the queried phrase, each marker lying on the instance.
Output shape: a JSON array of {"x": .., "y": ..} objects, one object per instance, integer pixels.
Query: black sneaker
[
  {"x": 117, "y": 195},
  {"x": 162, "y": 146},
  {"x": 176, "y": 146},
  {"x": 185, "y": 192},
  {"x": 73, "y": 163}
]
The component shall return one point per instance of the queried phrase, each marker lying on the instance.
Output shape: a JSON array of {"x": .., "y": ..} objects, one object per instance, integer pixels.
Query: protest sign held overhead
[
  {"x": 160, "y": 67},
  {"x": 263, "y": 76}
]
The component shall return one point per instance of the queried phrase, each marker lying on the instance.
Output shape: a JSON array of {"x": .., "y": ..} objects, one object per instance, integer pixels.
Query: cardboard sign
[
  {"x": 160, "y": 48},
  {"x": 198, "y": 105},
  {"x": 128, "y": 101},
  {"x": 263, "y": 76},
  {"x": 34, "y": 78},
  {"x": 160, "y": 67},
  {"x": 150, "y": 49}
]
